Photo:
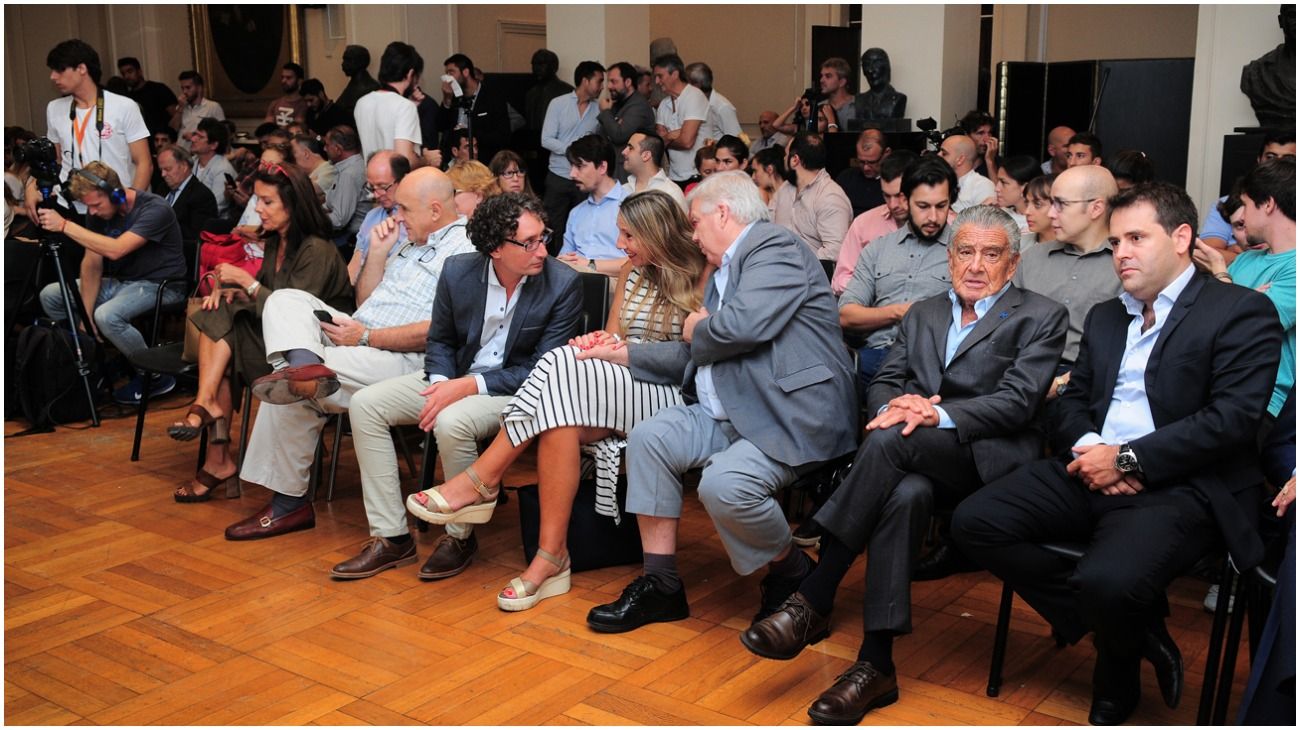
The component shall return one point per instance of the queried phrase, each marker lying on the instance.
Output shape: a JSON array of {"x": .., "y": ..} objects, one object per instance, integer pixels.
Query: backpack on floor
[{"x": 48, "y": 386}]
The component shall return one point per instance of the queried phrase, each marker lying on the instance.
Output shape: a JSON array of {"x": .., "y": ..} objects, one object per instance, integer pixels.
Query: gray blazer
[
  {"x": 996, "y": 381},
  {"x": 780, "y": 366}
]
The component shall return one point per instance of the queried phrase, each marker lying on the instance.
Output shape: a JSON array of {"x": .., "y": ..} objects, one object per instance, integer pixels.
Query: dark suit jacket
[
  {"x": 780, "y": 367},
  {"x": 194, "y": 208},
  {"x": 618, "y": 126},
  {"x": 491, "y": 120},
  {"x": 996, "y": 381},
  {"x": 1208, "y": 383},
  {"x": 545, "y": 318}
]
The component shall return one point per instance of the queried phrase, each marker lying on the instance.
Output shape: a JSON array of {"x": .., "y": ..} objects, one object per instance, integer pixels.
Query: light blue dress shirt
[
  {"x": 592, "y": 230},
  {"x": 704, "y": 390},
  {"x": 562, "y": 125},
  {"x": 1129, "y": 415},
  {"x": 958, "y": 334}
]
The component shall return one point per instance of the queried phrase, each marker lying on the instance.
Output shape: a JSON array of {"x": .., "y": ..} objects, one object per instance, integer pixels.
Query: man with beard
[
  {"x": 322, "y": 113},
  {"x": 885, "y": 218},
  {"x": 386, "y": 117},
  {"x": 193, "y": 106},
  {"x": 623, "y": 112},
  {"x": 813, "y": 206},
  {"x": 484, "y": 104},
  {"x": 291, "y": 107},
  {"x": 902, "y": 267}
]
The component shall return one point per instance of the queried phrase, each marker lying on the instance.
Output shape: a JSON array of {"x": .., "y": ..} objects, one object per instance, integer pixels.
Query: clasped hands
[
  {"x": 1094, "y": 465},
  {"x": 442, "y": 394},
  {"x": 909, "y": 409},
  {"x": 600, "y": 345}
]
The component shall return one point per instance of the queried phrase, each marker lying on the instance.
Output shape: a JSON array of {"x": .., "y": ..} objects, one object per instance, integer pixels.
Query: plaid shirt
[{"x": 406, "y": 292}]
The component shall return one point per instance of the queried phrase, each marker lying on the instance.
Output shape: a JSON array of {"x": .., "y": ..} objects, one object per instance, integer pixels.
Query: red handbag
[{"x": 224, "y": 248}]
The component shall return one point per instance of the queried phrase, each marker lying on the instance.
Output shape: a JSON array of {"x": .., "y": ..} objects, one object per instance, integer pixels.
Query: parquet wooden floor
[{"x": 123, "y": 607}]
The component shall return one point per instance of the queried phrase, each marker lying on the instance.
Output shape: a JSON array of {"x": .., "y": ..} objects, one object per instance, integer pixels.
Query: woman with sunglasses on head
[
  {"x": 511, "y": 173},
  {"x": 297, "y": 256},
  {"x": 250, "y": 224},
  {"x": 569, "y": 401}
]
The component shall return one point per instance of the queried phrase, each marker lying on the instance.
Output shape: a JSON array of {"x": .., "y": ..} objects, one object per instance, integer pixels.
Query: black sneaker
[
  {"x": 808, "y": 534},
  {"x": 642, "y": 602},
  {"x": 131, "y": 393}
]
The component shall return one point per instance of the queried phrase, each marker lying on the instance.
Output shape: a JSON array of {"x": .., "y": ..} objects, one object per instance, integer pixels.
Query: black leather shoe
[
  {"x": 787, "y": 631},
  {"x": 807, "y": 534},
  {"x": 1158, "y": 647},
  {"x": 641, "y": 603},
  {"x": 773, "y": 591},
  {"x": 855, "y": 693},
  {"x": 941, "y": 562},
  {"x": 1116, "y": 687},
  {"x": 1106, "y": 711}
]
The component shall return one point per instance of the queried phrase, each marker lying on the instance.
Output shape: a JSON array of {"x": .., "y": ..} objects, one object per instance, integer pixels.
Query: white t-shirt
[
  {"x": 382, "y": 117},
  {"x": 673, "y": 113},
  {"x": 122, "y": 126},
  {"x": 973, "y": 189},
  {"x": 722, "y": 118},
  {"x": 192, "y": 115}
]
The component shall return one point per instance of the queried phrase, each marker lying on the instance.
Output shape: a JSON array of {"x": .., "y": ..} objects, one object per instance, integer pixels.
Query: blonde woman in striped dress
[{"x": 567, "y": 403}]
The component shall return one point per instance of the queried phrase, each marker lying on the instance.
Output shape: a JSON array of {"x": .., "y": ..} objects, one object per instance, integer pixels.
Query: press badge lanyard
[{"x": 79, "y": 135}]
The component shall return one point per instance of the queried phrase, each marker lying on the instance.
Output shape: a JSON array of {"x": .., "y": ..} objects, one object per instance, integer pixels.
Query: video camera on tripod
[
  {"x": 43, "y": 160},
  {"x": 933, "y": 137}
]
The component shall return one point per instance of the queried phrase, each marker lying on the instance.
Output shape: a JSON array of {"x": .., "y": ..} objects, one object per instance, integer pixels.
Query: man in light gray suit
[
  {"x": 954, "y": 403},
  {"x": 770, "y": 393}
]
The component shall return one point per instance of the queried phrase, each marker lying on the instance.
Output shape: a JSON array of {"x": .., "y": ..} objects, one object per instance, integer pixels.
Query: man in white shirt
[
  {"x": 722, "y": 118},
  {"x": 961, "y": 154},
  {"x": 90, "y": 123},
  {"x": 680, "y": 118},
  {"x": 387, "y": 118},
  {"x": 768, "y": 134},
  {"x": 642, "y": 157},
  {"x": 193, "y": 107}
]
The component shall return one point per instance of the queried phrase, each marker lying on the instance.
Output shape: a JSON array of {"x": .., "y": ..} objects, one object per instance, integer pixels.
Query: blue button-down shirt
[
  {"x": 957, "y": 334},
  {"x": 704, "y": 390},
  {"x": 1129, "y": 415},
  {"x": 562, "y": 125},
  {"x": 592, "y": 230}
]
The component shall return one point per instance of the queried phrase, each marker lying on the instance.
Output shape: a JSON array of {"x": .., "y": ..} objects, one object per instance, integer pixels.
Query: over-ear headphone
[{"x": 115, "y": 194}]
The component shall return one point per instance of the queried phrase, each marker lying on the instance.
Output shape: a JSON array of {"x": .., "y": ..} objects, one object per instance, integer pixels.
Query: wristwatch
[
  {"x": 365, "y": 338},
  {"x": 591, "y": 264},
  {"x": 1061, "y": 385},
  {"x": 1127, "y": 461}
]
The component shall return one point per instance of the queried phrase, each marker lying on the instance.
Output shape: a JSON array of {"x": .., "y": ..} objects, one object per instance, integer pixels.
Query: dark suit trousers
[
  {"x": 560, "y": 197},
  {"x": 883, "y": 507},
  {"x": 1136, "y": 545}
]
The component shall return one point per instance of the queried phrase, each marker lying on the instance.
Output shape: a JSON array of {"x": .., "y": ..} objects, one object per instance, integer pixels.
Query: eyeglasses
[
  {"x": 427, "y": 252},
  {"x": 531, "y": 246},
  {"x": 384, "y": 188},
  {"x": 1058, "y": 204},
  {"x": 991, "y": 256},
  {"x": 513, "y": 173}
]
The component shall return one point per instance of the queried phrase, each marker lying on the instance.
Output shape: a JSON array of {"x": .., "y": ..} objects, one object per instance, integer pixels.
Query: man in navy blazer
[
  {"x": 495, "y": 313},
  {"x": 1157, "y": 436}
]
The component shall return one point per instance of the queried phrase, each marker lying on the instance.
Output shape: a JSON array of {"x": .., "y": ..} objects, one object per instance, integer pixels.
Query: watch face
[{"x": 1126, "y": 461}]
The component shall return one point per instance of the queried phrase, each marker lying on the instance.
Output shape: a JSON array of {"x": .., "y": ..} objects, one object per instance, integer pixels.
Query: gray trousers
[
  {"x": 884, "y": 506},
  {"x": 737, "y": 486}
]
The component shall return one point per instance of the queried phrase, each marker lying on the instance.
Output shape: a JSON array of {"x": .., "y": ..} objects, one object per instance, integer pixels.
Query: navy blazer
[
  {"x": 1208, "y": 383},
  {"x": 545, "y": 318}
]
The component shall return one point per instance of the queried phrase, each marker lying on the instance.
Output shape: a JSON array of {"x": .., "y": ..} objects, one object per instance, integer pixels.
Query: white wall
[
  {"x": 934, "y": 53},
  {"x": 1228, "y": 37}
]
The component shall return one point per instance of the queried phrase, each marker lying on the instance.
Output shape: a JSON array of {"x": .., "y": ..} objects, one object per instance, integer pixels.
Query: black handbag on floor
[{"x": 595, "y": 541}]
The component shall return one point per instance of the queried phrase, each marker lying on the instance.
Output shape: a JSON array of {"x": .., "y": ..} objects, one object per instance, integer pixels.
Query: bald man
[
  {"x": 319, "y": 365},
  {"x": 1058, "y": 153},
  {"x": 768, "y": 136},
  {"x": 861, "y": 182},
  {"x": 961, "y": 154},
  {"x": 1076, "y": 269}
]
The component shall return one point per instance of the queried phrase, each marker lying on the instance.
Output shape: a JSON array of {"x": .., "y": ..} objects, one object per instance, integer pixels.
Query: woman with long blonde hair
[{"x": 567, "y": 403}]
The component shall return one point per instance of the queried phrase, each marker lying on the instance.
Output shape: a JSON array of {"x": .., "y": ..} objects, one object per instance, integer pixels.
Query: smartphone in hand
[{"x": 323, "y": 316}]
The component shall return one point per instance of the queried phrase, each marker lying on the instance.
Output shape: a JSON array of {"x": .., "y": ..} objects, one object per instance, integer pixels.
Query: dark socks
[
  {"x": 401, "y": 539},
  {"x": 795, "y": 564},
  {"x": 302, "y": 357},
  {"x": 820, "y": 585},
  {"x": 878, "y": 648},
  {"x": 283, "y": 504},
  {"x": 663, "y": 569}
]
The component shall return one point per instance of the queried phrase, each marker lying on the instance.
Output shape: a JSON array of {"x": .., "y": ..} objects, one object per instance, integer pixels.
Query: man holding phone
[{"x": 320, "y": 364}]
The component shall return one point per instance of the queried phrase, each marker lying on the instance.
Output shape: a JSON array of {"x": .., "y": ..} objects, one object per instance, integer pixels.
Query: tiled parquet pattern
[{"x": 123, "y": 607}]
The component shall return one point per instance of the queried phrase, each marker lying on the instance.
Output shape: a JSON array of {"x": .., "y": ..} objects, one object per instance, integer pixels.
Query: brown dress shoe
[
  {"x": 263, "y": 524},
  {"x": 785, "y": 633},
  {"x": 292, "y": 384},
  {"x": 377, "y": 556},
  {"x": 450, "y": 557},
  {"x": 860, "y": 689}
]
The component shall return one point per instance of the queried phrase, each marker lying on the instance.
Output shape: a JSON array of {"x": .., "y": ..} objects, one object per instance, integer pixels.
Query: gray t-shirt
[{"x": 161, "y": 257}]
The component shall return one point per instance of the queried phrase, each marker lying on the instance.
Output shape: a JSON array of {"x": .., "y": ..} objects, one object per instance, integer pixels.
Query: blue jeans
[
  {"x": 117, "y": 304},
  {"x": 869, "y": 361}
]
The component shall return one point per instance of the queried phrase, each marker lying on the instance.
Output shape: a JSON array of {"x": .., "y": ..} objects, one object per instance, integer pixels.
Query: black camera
[
  {"x": 43, "y": 161},
  {"x": 930, "y": 129}
]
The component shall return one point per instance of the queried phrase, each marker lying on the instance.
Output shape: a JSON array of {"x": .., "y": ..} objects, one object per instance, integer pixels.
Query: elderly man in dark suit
[
  {"x": 954, "y": 400},
  {"x": 191, "y": 200},
  {"x": 769, "y": 390},
  {"x": 496, "y": 312},
  {"x": 1157, "y": 431}
]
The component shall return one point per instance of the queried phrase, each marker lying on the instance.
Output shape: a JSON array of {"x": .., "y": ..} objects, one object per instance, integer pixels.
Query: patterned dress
[{"x": 563, "y": 391}]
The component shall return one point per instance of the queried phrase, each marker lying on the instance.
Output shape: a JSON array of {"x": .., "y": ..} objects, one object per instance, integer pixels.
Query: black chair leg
[
  {"x": 426, "y": 472},
  {"x": 339, "y": 424},
  {"x": 245, "y": 425},
  {"x": 400, "y": 439},
  {"x": 314, "y": 475},
  {"x": 1214, "y": 653},
  {"x": 1230, "y": 649},
  {"x": 1000, "y": 641},
  {"x": 145, "y": 378}
]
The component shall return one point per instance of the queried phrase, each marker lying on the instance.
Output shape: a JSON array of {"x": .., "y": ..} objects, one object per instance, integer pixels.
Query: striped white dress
[{"x": 564, "y": 391}]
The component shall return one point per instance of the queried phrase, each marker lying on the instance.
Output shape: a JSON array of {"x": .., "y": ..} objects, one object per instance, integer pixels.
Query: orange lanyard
[{"x": 80, "y": 132}]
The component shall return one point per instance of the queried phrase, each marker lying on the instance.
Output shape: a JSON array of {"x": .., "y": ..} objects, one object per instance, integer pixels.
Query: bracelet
[
  {"x": 1223, "y": 276},
  {"x": 65, "y": 226},
  {"x": 251, "y": 289}
]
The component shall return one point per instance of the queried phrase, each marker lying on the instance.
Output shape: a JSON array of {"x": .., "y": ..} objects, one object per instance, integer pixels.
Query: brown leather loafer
[
  {"x": 292, "y": 384},
  {"x": 857, "y": 691},
  {"x": 450, "y": 557},
  {"x": 263, "y": 524},
  {"x": 377, "y": 556},
  {"x": 785, "y": 633}
]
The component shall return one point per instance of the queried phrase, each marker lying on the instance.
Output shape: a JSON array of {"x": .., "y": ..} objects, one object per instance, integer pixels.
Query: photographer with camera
[
  {"x": 91, "y": 123},
  {"x": 132, "y": 242}
]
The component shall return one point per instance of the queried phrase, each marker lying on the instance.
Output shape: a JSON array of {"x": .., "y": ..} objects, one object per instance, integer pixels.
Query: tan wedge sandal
[
  {"x": 436, "y": 509},
  {"x": 528, "y": 595}
]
